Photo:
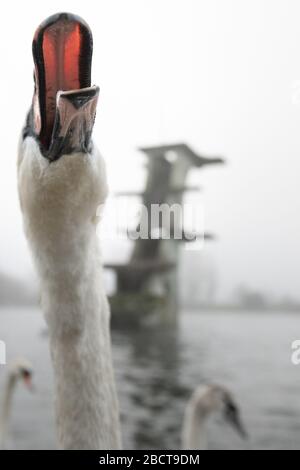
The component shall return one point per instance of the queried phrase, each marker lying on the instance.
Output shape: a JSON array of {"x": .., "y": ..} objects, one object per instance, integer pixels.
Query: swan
[
  {"x": 62, "y": 182},
  {"x": 206, "y": 400},
  {"x": 19, "y": 370}
]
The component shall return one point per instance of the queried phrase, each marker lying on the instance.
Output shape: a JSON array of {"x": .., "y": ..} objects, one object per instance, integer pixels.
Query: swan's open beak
[{"x": 64, "y": 103}]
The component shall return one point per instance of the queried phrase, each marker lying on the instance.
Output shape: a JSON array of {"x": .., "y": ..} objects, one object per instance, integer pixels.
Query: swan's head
[
  {"x": 62, "y": 179},
  {"x": 21, "y": 371},
  {"x": 64, "y": 104},
  {"x": 216, "y": 398}
]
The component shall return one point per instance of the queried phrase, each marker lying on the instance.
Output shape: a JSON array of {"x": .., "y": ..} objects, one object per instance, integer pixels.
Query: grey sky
[{"x": 222, "y": 75}]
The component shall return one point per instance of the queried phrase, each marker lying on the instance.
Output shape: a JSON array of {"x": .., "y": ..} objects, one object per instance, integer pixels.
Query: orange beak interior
[{"x": 62, "y": 51}]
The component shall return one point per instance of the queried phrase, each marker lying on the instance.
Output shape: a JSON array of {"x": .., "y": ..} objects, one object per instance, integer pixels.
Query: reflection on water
[
  {"x": 157, "y": 369},
  {"x": 151, "y": 370}
]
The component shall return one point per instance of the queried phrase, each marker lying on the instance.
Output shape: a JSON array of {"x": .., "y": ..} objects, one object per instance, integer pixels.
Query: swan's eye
[
  {"x": 62, "y": 51},
  {"x": 26, "y": 374}
]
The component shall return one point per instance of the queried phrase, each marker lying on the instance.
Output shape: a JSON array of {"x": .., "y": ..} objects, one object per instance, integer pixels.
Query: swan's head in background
[
  {"x": 206, "y": 401},
  {"x": 20, "y": 370},
  {"x": 216, "y": 398},
  {"x": 229, "y": 408}
]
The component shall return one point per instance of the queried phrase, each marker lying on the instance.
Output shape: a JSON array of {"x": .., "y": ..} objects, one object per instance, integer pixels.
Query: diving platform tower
[{"x": 151, "y": 272}]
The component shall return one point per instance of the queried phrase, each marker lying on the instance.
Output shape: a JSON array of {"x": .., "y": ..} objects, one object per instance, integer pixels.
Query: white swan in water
[
  {"x": 205, "y": 401},
  {"x": 19, "y": 371},
  {"x": 62, "y": 182}
]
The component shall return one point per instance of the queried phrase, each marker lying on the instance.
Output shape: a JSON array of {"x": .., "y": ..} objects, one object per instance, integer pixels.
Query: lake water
[{"x": 157, "y": 369}]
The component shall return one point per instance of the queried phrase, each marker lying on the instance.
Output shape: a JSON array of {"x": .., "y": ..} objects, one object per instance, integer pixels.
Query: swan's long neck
[
  {"x": 77, "y": 314},
  {"x": 194, "y": 435},
  {"x": 5, "y": 411},
  {"x": 62, "y": 182}
]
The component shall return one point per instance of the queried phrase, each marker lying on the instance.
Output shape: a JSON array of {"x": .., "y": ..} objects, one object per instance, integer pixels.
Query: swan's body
[
  {"x": 59, "y": 201},
  {"x": 18, "y": 371},
  {"x": 205, "y": 401}
]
